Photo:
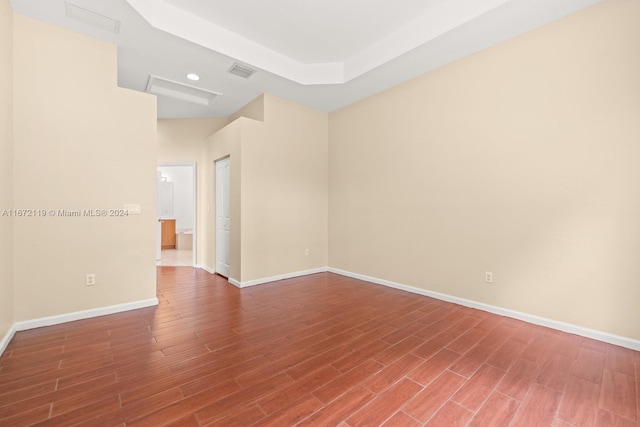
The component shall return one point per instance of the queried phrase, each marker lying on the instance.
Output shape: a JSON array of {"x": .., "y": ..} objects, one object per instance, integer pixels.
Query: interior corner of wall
[{"x": 253, "y": 110}]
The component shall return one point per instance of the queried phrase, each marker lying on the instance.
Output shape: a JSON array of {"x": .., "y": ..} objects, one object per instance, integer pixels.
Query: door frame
[{"x": 194, "y": 181}]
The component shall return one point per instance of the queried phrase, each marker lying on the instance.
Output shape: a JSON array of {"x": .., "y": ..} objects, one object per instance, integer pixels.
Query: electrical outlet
[
  {"x": 306, "y": 252},
  {"x": 91, "y": 279},
  {"x": 488, "y": 277}
]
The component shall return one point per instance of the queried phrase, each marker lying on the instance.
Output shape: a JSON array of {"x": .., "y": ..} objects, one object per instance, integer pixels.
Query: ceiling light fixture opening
[
  {"x": 193, "y": 76},
  {"x": 165, "y": 87},
  {"x": 92, "y": 18}
]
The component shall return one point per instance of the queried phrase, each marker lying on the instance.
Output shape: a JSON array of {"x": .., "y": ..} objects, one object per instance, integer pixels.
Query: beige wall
[
  {"x": 183, "y": 140},
  {"x": 224, "y": 143},
  {"x": 284, "y": 191},
  {"x": 253, "y": 110},
  {"x": 281, "y": 200},
  {"x": 521, "y": 160},
  {"x": 80, "y": 143},
  {"x": 6, "y": 166}
]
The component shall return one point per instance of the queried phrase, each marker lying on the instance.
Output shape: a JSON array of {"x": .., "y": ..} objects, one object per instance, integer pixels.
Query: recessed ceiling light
[{"x": 193, "y": 76}]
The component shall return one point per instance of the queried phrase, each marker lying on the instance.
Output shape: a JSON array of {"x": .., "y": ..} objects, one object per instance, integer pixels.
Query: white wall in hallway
[{"x": 183, "y": 193}]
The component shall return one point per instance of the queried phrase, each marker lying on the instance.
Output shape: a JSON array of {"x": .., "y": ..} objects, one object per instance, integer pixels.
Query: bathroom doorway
[{"x": 176, "y": 228}]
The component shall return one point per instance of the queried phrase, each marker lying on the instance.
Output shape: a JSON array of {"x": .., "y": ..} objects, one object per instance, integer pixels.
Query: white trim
[
  {"x": 276, "y": 278},
  {"x": 84, "y": 314},
  {"x": 7, "y": 338},
  {"x": 530, "y": 318},
  {"x": 70, "y": 317},
  {"x": 210, "y": 270},
  {"x": 206, "y": 268}
]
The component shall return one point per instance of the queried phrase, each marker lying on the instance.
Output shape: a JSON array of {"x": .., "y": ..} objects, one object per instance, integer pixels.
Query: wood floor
[{"x": 322, "y": 350}]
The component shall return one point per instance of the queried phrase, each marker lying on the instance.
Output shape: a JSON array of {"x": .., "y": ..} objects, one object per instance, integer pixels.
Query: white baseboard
[
  {"x": 7, "y": 338},
  {"x": 205, "y": 268},
  {"x": 70, "y": 317},
  {"x": 276, "y": 278},
  {"x": 212, "y": 271},
  {"x": 530, "y": 318},
  {"x": 255, "y": 282},
  {"x": 84, "y": 314},
  {"x": 537, "y": 320}
]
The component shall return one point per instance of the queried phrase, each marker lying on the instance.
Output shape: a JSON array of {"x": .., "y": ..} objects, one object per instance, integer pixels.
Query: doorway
[
  {"x": 223, "y": 216},
  {"x": 176, "y": 231}
]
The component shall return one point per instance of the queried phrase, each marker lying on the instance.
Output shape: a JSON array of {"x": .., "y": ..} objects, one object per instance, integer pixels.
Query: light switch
[{"x": 133, "y": 209}]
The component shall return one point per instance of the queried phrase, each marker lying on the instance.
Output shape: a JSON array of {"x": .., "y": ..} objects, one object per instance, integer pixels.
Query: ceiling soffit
[{"x": 437, "y": 19}]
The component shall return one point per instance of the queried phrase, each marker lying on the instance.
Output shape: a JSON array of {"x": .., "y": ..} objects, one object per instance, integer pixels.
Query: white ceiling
[
  {"x": 308, "y": 31},
  {"x": 322, "y": 53}
]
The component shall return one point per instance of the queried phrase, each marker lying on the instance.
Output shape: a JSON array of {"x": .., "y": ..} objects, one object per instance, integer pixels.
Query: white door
[
  {"x": 159, "y": 225},
  {"x": 223, "y": 220}
]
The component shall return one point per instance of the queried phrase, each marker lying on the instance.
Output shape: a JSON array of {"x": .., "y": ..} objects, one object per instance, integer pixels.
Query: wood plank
[{"x": 316, "y": 350}]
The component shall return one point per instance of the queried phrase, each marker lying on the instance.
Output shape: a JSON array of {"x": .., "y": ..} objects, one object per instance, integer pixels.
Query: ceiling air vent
[
  {"x": 242, "y": 70},
  {"x": 164, "y": 87},
  {"x": 92, "y": 18}
]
